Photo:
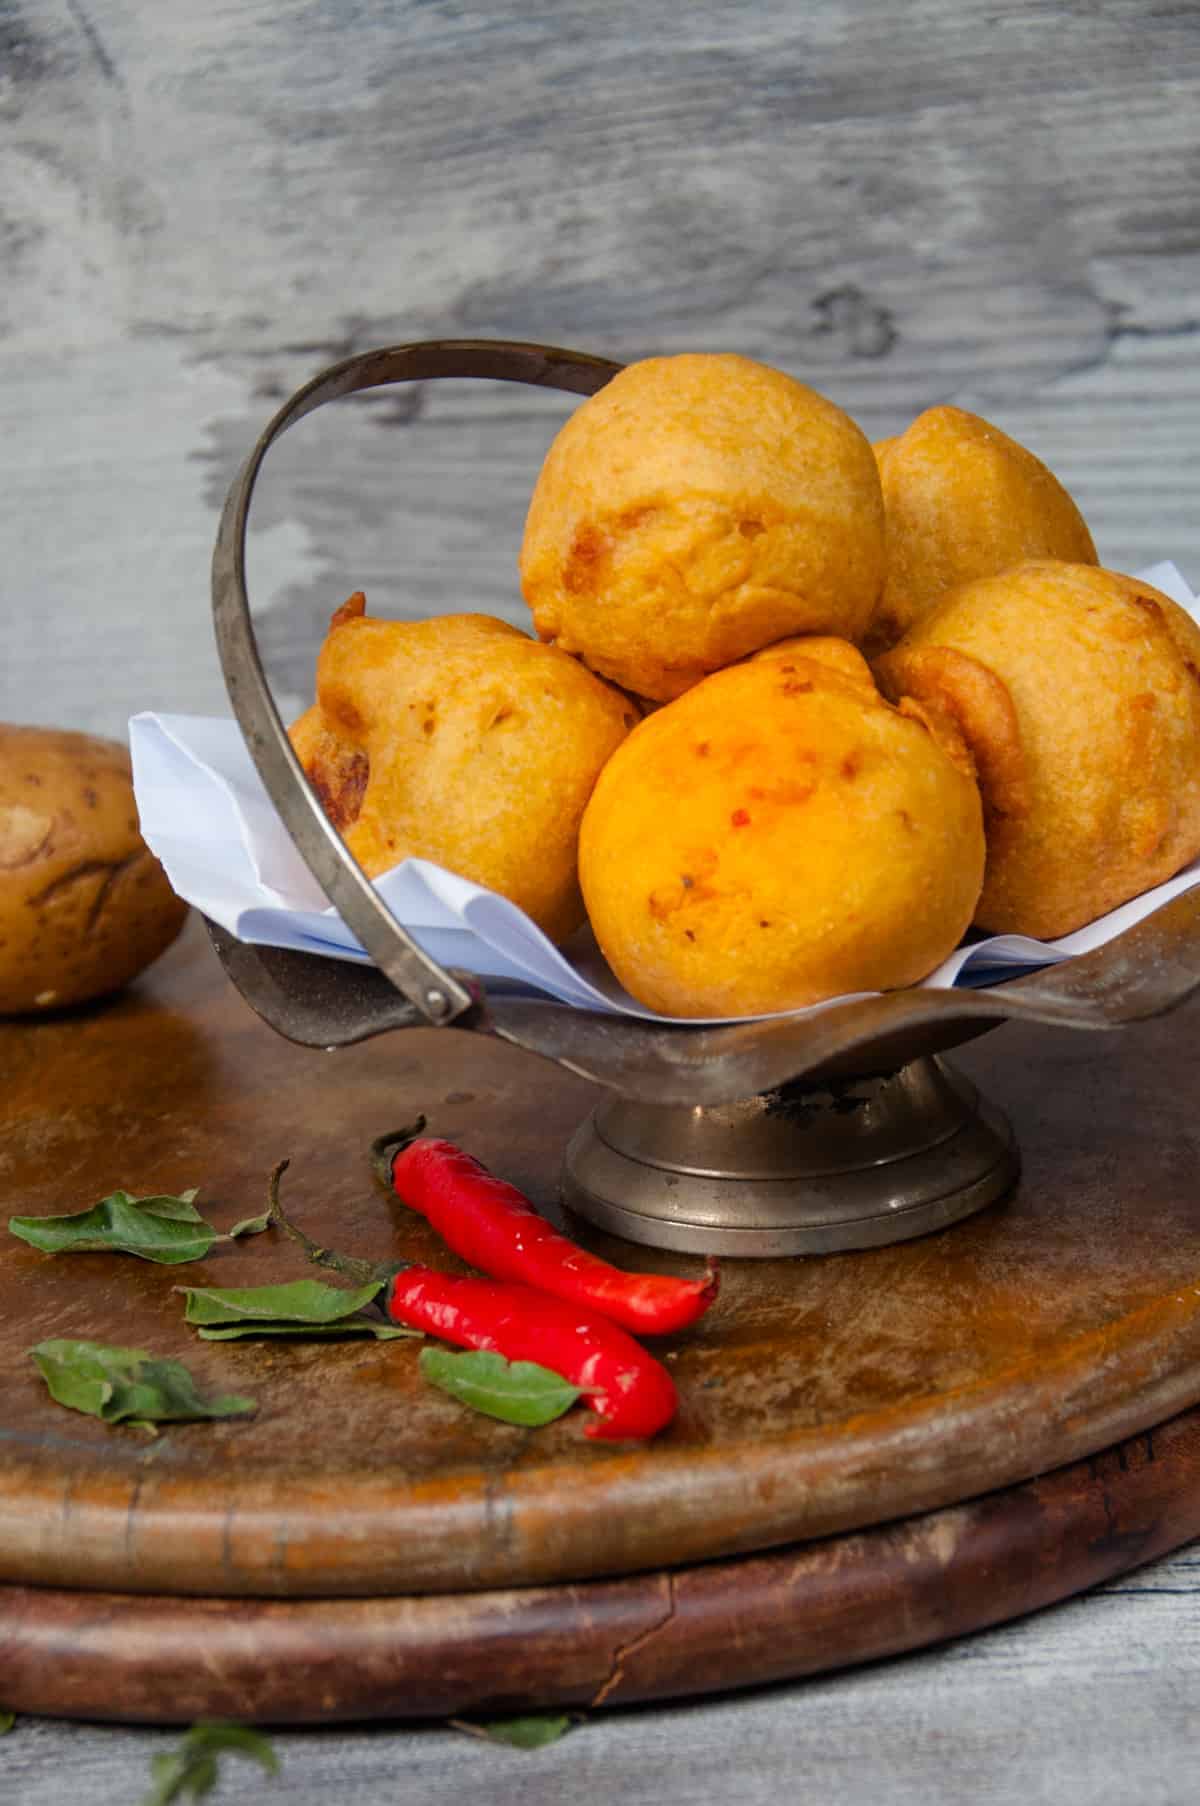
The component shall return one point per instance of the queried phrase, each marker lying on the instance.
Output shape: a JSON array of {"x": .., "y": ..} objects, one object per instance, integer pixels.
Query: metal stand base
[{"x": 799, "y": 1171}]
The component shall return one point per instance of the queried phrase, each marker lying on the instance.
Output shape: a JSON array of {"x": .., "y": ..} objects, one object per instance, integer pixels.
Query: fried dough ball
[
  {"x": 839, "y": 655},
  {"x": 1078, "y": 693},
  {"x": 462, "y": 741},
  {"x": 963, "y": 500},
  {"x": 695, "y": 509},
  {"x": 780, "y": 835}
]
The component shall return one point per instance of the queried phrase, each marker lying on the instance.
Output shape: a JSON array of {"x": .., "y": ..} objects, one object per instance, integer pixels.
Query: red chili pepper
[
  {"x": 491, "y": 1224},
  {"x": 632, "y": 1392}
]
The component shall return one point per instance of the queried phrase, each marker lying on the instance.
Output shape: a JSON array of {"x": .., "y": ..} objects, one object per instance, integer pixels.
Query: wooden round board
[
  {"x": 819, "y": 1396},
  {"x": 709, "y": 1628}
]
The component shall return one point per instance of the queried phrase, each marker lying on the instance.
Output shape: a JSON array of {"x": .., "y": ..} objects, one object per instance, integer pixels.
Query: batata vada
[
  {"x": 963, "y": 500},
  {"x": 1078, "y": 693},
  {"x": 462, "y": 741},
  {"x": 695, "y": 509},
  {"x": 779, "y": 835}
]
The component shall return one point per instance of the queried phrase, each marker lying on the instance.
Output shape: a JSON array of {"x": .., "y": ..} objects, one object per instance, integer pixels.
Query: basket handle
[{"x": 439, "y": 995}]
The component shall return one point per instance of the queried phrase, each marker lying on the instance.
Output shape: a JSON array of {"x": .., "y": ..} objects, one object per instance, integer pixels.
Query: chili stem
[{"x": 384, "y": 1149}]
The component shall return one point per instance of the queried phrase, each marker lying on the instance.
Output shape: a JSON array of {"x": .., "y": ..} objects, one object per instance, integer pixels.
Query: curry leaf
[
  {"x": 190, "y": 1772},
  {"x": 299, "y": 1301},
  {"x": 304, "y": 1307},
  {"x": 359, "y": 1325},
  {"x": 515, "y": 1391},
  {"x": 248, "y": 1226},
  {"x": 127, "y": 1385},
  {"x": 161, "y": 1228},
  {"x": 532, "y": 1732},
  {"x": 164, "y": 1229}
]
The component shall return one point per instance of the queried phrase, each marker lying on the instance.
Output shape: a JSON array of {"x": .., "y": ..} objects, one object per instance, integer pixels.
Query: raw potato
[
  {"x": 84, "y": 905},
  {"x": 695, "y": 509},
  {"x": 963, "y": 500},
  {"x": 780, "y": 835},
  {"x": 1078, "y": 693},
  {"x": 462, "y": 741}
]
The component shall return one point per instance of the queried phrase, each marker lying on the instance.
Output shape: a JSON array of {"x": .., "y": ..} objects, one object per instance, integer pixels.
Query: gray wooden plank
[
  {"x": 113, "y": 498},
  {"x": 989, "y": 204}
]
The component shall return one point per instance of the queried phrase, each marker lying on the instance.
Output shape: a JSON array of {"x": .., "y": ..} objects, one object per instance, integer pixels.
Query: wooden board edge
[{"x": 798, "y": 1611}]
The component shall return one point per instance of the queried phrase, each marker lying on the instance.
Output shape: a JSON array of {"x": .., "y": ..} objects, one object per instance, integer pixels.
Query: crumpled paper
[{"x": 207, "y": 817}]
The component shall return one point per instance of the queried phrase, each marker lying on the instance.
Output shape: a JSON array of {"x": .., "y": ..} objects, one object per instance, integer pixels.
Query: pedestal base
[{"x": 798, "y": 1171}]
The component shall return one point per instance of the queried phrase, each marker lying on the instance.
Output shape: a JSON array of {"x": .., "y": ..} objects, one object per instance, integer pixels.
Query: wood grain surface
[
  {"x": 989, "y": 203},
  {"x": 722, "y": 1625},
  {"x": 816, "y": 1395},
  {"x": 1091, "y": 1701}
]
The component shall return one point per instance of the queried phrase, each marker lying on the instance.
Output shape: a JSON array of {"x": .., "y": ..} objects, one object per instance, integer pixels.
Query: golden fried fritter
[
  {"x": 696, "y": 509},
  {"x": 462, "y": 741},
  {"x": 1078, "y": 693},
  {"x": 779, "y": 835},
  {"x": 963, "y": 500}
]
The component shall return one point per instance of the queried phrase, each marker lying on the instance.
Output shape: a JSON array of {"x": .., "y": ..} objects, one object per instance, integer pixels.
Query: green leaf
[
  {"x": 127, "y": 1385},
  {"x": 162, "y": 1228},
  {"x": 249, "y": 1226},
  {"x": 7, "y": 1721},
  {"x": 303, "y": 1307},
  {"x": 532, "y": 1732},
  {"x": 515, "y": 1391},
  {"x": 191, "y": 1771},
  {"x": 300, "y": 1301},
  {"x": 309, "y": 1332}
]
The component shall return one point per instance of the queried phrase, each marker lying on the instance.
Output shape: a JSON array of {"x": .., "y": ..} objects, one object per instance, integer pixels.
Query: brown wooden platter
[
  {"x": 709, "y": 1628},
  {"x": 819, "y": 1396}
]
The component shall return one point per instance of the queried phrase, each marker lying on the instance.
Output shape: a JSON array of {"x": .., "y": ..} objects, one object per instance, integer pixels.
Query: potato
[
  {"x": 780, "y": 835},
  {"x": 694, "y": 510},
  {"x": 84, "y": 905},
  {"x": 462, "y": 741}
]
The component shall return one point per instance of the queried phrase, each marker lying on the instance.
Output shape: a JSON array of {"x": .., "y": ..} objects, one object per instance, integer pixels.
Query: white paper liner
[{"x": 208, "y": 818}]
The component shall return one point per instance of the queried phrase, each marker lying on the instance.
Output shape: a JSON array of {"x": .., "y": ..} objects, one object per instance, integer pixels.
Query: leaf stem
[{"x": 361, "y": 1271}]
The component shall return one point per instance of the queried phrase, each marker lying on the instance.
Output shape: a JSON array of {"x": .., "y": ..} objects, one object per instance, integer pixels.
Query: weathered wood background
[
  {"x": 992, "y": 202},
  {"x": 199, "y": 206}
]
